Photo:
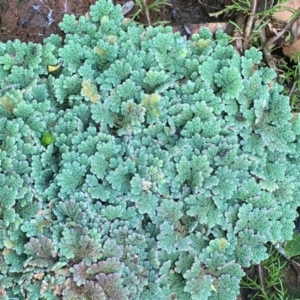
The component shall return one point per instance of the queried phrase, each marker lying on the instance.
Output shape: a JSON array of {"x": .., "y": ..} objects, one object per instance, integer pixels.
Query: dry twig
[
  {"x": 287, "y": 26},
  {"x": 268, "y": 45},
  {"x": 261, "y": 272},
  {"x": 266, "y": 50},
  {"x": 249, "y": 25}
]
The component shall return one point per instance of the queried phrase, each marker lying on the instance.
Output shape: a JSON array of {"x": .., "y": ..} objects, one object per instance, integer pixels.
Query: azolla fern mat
[{"x": 141, "y": 165}]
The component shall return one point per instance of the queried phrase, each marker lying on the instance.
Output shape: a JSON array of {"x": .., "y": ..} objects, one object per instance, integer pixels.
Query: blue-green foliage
[{"x": 145, "y": 167}]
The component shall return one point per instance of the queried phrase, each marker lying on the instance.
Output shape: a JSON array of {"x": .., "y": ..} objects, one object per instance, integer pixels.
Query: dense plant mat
[{"x": 138, "y": 165}]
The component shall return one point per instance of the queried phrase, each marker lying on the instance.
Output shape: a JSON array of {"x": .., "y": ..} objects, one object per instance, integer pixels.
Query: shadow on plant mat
[{"x": 34, "y": 20}]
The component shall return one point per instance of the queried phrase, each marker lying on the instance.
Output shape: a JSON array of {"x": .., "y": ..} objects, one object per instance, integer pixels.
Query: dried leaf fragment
[{"x": 127, "y": 7}]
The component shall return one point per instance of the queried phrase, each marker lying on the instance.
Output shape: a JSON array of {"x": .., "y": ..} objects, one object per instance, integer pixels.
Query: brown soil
[{"x": 33, "y": 20}]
